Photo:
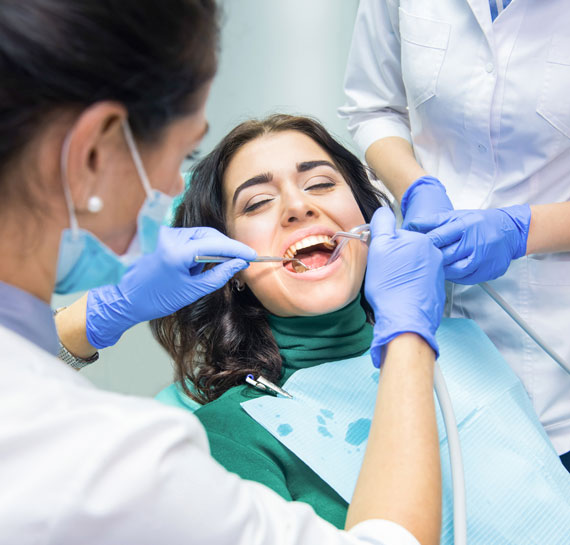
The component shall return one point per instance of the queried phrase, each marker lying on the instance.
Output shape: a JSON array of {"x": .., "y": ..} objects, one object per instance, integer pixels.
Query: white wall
[{"x": 277, "y": 56}]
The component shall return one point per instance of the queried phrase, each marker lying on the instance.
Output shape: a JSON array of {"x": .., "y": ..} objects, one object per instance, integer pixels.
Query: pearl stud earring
[{"x": 95, "y": 204}]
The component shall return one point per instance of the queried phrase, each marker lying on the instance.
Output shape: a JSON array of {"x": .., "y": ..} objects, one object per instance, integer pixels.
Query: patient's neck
[{"x": 306, "y": 341}]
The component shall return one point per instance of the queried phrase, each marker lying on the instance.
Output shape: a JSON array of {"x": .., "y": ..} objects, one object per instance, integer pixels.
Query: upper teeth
[{"x": 308, "y": 241}]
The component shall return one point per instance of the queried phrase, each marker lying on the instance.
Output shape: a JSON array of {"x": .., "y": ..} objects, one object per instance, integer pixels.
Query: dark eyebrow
[
  {"x": 256, "y": 180},
  {"x": 309, "y": 165}
]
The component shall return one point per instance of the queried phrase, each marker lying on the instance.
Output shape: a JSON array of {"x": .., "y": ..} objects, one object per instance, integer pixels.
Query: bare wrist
[{"x": 70, "y": 324}]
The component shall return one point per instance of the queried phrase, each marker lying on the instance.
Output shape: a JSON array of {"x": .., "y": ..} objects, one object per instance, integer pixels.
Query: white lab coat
[
  {"x": 80, "y": 466},
  {"x": 487, "y": 108}
]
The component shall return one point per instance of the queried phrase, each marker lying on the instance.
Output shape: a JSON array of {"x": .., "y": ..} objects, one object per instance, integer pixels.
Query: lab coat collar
[
  {"x": 29, "y": 317},
  {"x": 482, "y": 13}
]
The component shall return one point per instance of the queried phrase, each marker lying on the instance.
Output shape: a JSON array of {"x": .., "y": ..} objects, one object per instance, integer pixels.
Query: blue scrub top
[{"x": 28, "y": 316}]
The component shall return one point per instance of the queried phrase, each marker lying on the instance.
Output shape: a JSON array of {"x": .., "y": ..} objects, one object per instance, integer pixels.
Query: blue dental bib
[{"x": 517, "y": 490}]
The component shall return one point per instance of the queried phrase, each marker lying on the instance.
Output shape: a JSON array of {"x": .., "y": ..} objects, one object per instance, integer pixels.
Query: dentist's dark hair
[
  {"x": 218, "y": 340},
  {"x": 57, "y": 55}
]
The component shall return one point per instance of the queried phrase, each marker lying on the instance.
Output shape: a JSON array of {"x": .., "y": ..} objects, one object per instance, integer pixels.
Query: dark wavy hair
[{"x": 218, "y": 340}]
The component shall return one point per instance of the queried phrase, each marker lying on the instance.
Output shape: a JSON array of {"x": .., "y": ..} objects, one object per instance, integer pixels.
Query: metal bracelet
[
  {"x": 67, "y": 357},
  {"x": 73, "y": 361}
]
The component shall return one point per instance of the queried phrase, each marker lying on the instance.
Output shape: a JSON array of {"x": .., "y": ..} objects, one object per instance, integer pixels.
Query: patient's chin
[{"x": 309, "y": 299}]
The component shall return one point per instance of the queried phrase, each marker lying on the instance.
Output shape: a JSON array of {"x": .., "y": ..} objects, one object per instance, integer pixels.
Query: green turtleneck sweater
[{"x": 244, "y": 447}]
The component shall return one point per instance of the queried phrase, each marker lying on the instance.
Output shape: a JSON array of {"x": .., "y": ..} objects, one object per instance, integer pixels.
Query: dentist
[{"x": 100, "y": 102}]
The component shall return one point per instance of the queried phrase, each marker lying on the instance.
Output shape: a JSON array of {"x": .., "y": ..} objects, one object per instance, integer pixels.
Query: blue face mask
[{"x": 84, "y": 261}]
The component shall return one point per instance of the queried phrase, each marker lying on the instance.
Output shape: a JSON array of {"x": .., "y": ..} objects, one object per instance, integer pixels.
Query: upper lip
[{"x": 304, "y": 233}]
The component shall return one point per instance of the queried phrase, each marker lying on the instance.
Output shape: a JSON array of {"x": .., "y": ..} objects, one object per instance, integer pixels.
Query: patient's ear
[{"x": 237, "y": 282}]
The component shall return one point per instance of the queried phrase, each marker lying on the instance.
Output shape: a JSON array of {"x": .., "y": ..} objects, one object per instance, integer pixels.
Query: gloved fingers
[
  {"x": 218, "y": 276},
  {"x": 223, "y": 246},
  {"x": 448, "y": 233},
  {"x": 416, "y": 224},
  {"x": 461, "y": 269},
  {"x": 477, "y": 270},
  {"x": 422, "y": 224},
  {"x": 196, "y": 268},
  {"x": 457, "y": 251},
  {"x": 383, "y": 223},
  {"x": 209, "y": 235},
  {"x": 426, "y": 193},
  {"x": 208, "y": 241},
  {"x": 199, "y": 232},
  {"x": 426, "y": 223}
]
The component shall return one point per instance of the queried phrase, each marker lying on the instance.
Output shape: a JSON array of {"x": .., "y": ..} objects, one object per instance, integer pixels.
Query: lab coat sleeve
[
  {"x": 376, "y": 104},
  {"x": 152, "y": 480}
]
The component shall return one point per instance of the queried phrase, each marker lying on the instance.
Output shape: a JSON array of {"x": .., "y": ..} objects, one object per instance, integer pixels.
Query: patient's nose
[{"x": 297, "y": 207}]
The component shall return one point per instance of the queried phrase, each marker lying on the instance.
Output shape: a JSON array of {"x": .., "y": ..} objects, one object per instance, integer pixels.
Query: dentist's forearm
[
  {"x": 392, "y": 160},
  {"x": 549, "y": 228},
  {"x": 71, "y": 329},
  {"x": 400, "y": 479}
]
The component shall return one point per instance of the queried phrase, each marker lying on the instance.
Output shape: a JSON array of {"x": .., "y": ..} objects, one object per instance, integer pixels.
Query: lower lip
[{"x": 317, "y": 274}]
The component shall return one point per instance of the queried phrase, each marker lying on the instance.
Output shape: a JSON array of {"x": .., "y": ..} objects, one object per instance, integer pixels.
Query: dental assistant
[
  {"x": 99, "y": 104},
  {"x": 462, "y": 111}
]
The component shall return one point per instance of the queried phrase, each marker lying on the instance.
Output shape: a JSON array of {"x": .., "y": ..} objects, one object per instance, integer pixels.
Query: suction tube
[
  {"x": 524, "y": 325},
  {"x": 456, "y": 459}
]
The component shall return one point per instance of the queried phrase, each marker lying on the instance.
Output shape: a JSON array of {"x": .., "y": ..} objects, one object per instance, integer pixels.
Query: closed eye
[
  {"x": 321, "y": 185},
  {"x": 253, "y": 207}
]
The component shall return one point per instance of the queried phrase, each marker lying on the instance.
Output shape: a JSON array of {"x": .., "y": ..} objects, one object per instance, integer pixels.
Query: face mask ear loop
[
  {"x": 136, "y": 158},
  {"x": 73, "y": 224}
]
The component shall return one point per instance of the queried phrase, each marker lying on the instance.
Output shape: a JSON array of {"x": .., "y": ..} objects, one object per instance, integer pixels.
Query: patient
[{"x": 283, "y": 186}]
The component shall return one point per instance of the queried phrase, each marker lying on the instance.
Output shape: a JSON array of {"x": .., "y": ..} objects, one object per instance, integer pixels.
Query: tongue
[{"x": 314, "y": 259}]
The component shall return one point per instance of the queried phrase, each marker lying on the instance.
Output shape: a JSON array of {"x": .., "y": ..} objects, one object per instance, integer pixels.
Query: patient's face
[{"x": 283, "y": 196}]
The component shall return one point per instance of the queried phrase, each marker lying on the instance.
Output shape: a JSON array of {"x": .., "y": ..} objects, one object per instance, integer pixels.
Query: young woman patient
[{"x": 284, "y": 186}]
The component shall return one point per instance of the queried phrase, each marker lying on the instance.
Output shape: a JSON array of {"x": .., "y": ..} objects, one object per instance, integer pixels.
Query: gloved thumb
[
  {"x": 383, "y": 222},
  {"x": 218, "y": 276}
]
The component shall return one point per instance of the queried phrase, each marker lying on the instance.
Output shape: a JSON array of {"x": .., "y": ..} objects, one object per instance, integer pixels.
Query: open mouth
[{"x": 313, "y": 251}]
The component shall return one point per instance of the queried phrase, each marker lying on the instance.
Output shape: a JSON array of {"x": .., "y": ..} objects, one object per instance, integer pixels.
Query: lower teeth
[{"x": 300, "y": 269}]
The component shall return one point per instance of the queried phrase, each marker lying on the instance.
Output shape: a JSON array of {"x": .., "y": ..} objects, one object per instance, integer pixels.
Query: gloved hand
[
  {"x": 425, "y": 197},
  {"x": 478, "y": 245},
  {"x": 404, "y": 283},
  {"x": 163, "y": 282}
]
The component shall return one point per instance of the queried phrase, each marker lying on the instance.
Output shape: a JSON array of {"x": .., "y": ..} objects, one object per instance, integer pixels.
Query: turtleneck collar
[{"x": 306, "y": 341}]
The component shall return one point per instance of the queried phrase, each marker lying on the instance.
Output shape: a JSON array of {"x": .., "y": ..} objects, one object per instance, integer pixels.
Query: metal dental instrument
[
  {"x": 267, "y": 386},
  {"x": 258, "y": 259},
  {"x": 360, "y": 232}
]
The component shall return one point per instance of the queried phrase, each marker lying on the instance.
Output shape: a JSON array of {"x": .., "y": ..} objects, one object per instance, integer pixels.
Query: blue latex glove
[
  {"x": 404, "y": 283},
  {"x": 478, "y": 245},
  {"x": 163, "y": 282},
  {"x": 425, "y": 197}
]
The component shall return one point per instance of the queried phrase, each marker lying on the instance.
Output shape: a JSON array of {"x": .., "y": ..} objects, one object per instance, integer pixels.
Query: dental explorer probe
[
  {"x": 258, "y": 259},
  {"x": 360, "y": 232}
]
